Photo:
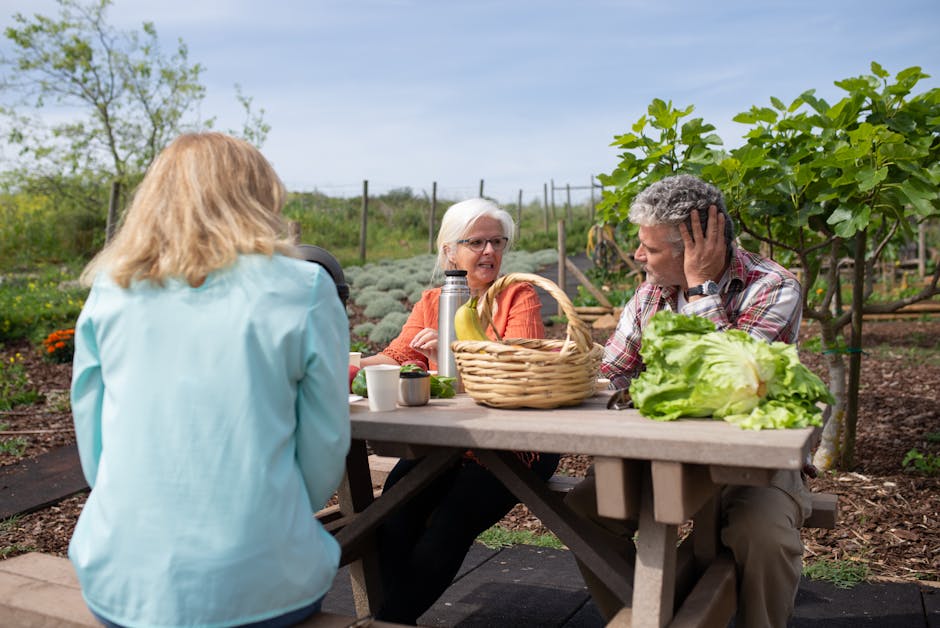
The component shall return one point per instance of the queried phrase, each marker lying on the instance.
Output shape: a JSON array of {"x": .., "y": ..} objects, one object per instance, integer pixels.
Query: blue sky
[{"x": 514, "y": 92}]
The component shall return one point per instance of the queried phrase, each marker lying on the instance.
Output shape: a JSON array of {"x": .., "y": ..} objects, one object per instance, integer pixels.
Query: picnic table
[{"x": 663, "y": 474}]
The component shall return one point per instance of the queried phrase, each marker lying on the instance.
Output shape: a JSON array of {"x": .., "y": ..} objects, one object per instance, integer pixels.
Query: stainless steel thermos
[{"x": 454, "y": 293}]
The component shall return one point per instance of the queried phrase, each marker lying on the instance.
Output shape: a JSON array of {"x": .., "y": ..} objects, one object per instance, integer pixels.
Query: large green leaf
[
  {"x": 846, "y": 222},
  {"x": 868, "y": 178}
]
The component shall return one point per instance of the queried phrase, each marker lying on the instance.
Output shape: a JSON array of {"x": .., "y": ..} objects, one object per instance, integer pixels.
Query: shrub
[
  {"x": 366, "y": 296},
  {"x": 382, "y": 306},
  {"x": 391, "y": 280},
  {"x": 415, "y": 295},
  {"x": 363, "y": 329},
  {"x": 388, "y": 328}
]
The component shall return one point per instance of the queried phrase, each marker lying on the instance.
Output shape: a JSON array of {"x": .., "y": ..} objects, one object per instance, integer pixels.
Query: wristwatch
[{"x": 709, "y": 287}]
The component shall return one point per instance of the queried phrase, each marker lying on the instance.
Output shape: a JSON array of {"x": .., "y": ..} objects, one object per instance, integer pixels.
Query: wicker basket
[{"x": 529, "y": 373}]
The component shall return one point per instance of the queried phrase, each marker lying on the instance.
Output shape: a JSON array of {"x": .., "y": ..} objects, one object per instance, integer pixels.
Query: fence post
[
  {"x": 592, "y": 199},
  {"x": 362, "y": 227},
  {"x": 545, "y": 204},
  {"x": 562, "y": 256},
  {"x": 112, "y": 210},
  {"x": 481, "y": 188},
  {"x": 554, "y": 213},
  {"x": 568, "y": 202},
  {"x": 432, "y": 217},
  {"x": 293, "y": 231},
  {"x": 519, "y": 216}
]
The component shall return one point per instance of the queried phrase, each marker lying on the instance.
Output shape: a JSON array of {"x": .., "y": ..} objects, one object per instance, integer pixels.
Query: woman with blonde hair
[{"x": 209, "y": 392}]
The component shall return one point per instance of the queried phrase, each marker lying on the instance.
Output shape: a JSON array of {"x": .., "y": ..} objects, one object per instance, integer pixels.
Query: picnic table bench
[{"x": 41, "y": 591}]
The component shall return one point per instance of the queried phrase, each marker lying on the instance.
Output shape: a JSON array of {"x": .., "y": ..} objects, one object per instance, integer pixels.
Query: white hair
[{"x": 459, "y": 219}]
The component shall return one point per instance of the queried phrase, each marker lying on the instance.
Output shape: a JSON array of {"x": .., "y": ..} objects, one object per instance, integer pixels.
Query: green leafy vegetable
[
  {"x": 358, "y": 386},
  {"x": 441, "y": 387},
  {"x": 693, "y": 370}
]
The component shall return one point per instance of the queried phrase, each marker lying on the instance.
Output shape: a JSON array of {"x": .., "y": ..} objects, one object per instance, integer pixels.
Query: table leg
[
  {"x": 655, "y": 576},
  {"x": 355, "y": 495},
  {"x": 357, "y": 538}
]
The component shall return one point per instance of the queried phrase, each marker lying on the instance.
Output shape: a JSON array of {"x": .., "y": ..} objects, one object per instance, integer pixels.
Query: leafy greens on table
[{"x": 693, "y": 370}]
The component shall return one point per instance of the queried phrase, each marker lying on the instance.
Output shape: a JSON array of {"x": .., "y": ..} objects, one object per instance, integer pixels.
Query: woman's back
[{"x": 211, "y": 429}]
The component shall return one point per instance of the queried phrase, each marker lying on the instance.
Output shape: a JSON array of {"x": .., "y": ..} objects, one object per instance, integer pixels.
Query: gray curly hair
[{"x": 670, "y": 201}]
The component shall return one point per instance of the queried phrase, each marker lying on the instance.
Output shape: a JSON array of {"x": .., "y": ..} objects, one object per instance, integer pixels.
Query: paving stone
[
  {"x": 882, "y": 604},
  {"x": 531, "y": 586}
]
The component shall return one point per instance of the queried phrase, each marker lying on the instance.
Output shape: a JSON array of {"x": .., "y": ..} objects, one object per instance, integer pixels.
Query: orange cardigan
[{"x": 518, "y": 315}]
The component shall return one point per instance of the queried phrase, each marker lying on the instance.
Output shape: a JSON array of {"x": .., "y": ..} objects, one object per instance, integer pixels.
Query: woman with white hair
[{"x": 423, "y": 544}]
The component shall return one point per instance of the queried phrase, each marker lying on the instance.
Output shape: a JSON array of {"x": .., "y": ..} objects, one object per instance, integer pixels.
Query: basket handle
[{"x": 578, "y": 337}]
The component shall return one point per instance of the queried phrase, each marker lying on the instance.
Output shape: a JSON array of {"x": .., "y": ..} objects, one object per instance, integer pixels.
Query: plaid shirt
[{"x": 756, "y": 295}]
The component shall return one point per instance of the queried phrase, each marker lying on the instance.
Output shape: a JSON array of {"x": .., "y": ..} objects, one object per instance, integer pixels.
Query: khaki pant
[{"x": 761, "y": 527}]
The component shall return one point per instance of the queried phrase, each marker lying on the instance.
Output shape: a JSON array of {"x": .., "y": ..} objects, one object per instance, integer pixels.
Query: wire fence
[{"x": 552, "y": 194}]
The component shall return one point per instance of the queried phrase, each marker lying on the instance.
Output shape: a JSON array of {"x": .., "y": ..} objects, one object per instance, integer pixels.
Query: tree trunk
[
  {"x": 830, "y": 444},
  {"x": 855, "y": 352}
]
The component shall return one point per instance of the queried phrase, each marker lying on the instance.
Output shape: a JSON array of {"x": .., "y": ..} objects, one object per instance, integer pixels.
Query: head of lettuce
[{"x": 693, "y": 370}]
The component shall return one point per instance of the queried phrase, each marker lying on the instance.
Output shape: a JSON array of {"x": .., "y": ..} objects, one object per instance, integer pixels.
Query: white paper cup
[
  {"x": 382, "y": 383},
  {"x": 355, "y": 358}
]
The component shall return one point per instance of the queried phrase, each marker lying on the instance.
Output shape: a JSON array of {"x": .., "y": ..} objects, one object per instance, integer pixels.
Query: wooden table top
[{"x": 589, "y": 428}]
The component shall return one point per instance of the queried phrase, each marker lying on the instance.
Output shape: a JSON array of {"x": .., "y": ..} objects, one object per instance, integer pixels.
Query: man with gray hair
[{"x": 693, "y": 267}]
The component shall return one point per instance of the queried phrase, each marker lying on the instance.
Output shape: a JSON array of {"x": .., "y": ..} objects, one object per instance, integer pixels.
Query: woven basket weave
[{"x": 527, "y": 372}]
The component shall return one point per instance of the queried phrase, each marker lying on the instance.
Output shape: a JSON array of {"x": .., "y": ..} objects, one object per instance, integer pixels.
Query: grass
[
  {"x": 13, "y": 446},
  {"x": 915, "y": 355},
  {"x": 844, "y": 574},
  {"x": 15, "y": 550},
  {"x": 15, "y": 386},
  {"x": 498, "y": 537},
  {"x": 9, "y": 525}
]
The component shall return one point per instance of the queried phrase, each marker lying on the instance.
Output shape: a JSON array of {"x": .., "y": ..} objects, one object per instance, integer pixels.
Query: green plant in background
[
  {"x": 618, "y": 297},
  {"x": 59, "y": 346},
  {"x": 927, "y": 464},
  {"x": 358, "y": 345},
  {"x": 15, "y": 387},
  {"x": 13, "y": 446},
  {"x": 397, "y": 226},
  {"x": 388, "y": 328},
  {"x": 34, "y": 303},
  {"x": 498, "y": 537},
  {"x": 844, "y": 574}
]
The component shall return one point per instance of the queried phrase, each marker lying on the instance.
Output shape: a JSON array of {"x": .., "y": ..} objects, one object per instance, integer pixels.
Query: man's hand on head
[{"x": 704, "y": 252}]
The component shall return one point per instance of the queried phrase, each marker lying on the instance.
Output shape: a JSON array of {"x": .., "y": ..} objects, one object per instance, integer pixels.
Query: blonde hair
[
  {"x": 206, "y": 199},
  {"x": 459, "y": 219}
]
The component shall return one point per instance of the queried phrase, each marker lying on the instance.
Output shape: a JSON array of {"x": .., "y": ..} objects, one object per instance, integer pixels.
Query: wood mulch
[{"x": 889, "y": 515}]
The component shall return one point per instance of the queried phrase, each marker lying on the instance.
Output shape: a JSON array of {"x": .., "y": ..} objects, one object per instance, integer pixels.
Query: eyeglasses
[{"x": 478, "y": 245}]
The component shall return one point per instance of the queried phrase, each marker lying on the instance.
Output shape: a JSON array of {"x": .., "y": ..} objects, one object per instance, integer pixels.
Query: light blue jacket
[{"x": 212, "y": 423}]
